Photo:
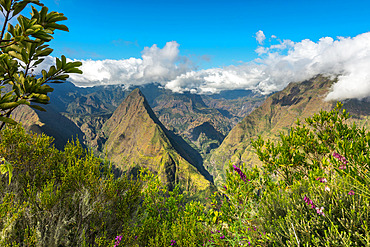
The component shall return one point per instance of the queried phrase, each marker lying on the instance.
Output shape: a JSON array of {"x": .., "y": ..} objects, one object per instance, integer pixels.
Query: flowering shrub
[
  {"x": 312, "y": 190},
  {"x": 319, "y": 196}
]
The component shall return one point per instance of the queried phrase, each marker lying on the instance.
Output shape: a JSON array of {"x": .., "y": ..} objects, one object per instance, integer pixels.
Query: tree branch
[{"x": 4, "y": 26}]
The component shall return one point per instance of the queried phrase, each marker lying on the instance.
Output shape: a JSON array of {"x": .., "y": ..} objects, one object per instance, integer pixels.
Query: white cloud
[
  {"x": 260, "y": 37},
  {"x": 155, "y": 65},
  {"x": 276, "y": 67},
  {"x": 280, "y": 64}
]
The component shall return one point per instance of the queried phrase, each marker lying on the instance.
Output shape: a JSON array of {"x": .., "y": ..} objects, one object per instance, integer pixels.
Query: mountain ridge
[
  {"x": 278, "y": 113},
  {"x": 135, "y": 136}
]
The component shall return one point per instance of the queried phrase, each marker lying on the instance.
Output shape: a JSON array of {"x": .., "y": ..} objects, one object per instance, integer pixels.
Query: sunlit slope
[
  {"x": 137, "y": 138},
  {"x": 278, "y": 113}
]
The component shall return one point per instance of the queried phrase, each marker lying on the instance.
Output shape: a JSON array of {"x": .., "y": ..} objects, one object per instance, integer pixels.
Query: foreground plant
[
  {"x": 60, "y": 198},
  {"x": 312, "y": 190},
  {"x": 23, "y": 47}
]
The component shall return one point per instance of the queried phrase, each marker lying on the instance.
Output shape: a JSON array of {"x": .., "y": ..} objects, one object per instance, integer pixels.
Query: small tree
[{"x": 22, "y": 48}]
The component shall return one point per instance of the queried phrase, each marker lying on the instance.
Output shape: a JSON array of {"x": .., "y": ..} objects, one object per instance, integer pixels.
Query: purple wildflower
[
  {"x": 342, "y": 167},
  {"x": 241, "y": 174},
  {"x": 322, "y": 180},
  {"x": 225, "y": 187},
  {"x": 173, "y": 242},
  {"x": 118, "y": 240},
  {"x": 309, "y": 202},
  {"x": 351, "y": 193},
  {"x": 341, "y": 159},
  {"x": 222, "y": 237}
]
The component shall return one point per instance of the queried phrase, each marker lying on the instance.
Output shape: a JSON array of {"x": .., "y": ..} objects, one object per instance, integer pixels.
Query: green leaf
[
  {"x": 8, "y": 105},
  {"x": 44, "y": 52},
  {"x": 38, "y": 62},
  {"x": 6, "y": 167},
  {"x": 8, "y": 120},
  {"x": 37, "y": 107},
  {"x": 18, "y": 7},
  {"x": 58, "y": 26},
  {"x": 16, "y": 55}
]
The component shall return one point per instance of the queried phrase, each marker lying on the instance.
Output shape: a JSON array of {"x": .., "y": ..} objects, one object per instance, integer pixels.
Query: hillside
[
  {"x": 183, "y": 113},
  {"x": 202, "y": 120},
  {"x": 135, "y": 137},
  {"x": 278, "y": 113},
  {"x": 51, "y": 123}
]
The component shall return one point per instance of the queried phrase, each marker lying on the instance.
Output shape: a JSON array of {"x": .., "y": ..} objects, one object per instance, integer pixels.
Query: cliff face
[{"x": 137, "y": 138}]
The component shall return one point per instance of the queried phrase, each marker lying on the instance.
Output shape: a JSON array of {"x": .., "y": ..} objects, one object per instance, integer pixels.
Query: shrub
[
  {"x": 60, "y": 198},
  {"x": 312, "y": 190},
  {"x": 165, "y": 218}
]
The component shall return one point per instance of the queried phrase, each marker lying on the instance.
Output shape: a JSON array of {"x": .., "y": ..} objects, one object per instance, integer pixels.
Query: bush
[
  {"x": 60, "y": 198},
  {"x": 312, "y": 190},
  {"x": 165, "y": 218}
]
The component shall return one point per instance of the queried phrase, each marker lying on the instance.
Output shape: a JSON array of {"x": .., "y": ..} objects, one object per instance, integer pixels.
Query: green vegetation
[
  {"x": 311, "y": 191},
  {"x": 60, "y": 198},
  {"x": 22, "y": 48}
]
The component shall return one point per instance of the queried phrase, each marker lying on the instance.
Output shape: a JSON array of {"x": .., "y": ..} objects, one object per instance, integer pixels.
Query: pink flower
[
  {"x": 322, "y": 180},
  {"x": 320, "y": 211},
  {"x": 351, "y": 193},
  {"x": 340, "y": 158}
]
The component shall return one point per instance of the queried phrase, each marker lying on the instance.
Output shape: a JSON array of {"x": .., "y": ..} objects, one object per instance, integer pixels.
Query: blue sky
[
  {"x": 221, "y": 31},
  {"x": 210, "y": 46}
]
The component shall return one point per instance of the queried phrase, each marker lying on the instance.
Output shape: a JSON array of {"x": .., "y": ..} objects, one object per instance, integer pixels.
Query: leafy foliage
[
  {"x": 24, "y": 47},
  {"x": 312, "y": 190},
  {"x": 66, "y": 198}
]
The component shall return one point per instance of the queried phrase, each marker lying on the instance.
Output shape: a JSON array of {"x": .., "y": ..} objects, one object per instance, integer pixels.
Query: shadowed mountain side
[
  {"x": 50, "y": 122},
  {"x": 208, "y": 130},
  {"x": 278, "y": 113},
  {"x": 137, "y": 138}
]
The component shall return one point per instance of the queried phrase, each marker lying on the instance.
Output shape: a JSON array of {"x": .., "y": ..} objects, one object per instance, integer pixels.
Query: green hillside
[
  {"x": 277, "y": 114},
  {"x": 135, "y": 137}
]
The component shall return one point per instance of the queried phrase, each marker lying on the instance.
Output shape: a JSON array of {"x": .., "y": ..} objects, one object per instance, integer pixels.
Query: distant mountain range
[{"x": 187, "y": 139}]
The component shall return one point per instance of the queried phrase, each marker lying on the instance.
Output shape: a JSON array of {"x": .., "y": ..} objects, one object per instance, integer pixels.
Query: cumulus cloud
[
  {"x": 260, "y": 37},
  {"x": 289, "y": 61},
  {"x": 155, "y": 65},
  {"x": 277, "y": 66}
]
